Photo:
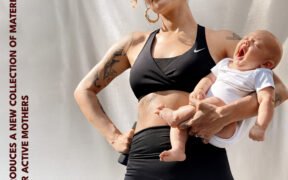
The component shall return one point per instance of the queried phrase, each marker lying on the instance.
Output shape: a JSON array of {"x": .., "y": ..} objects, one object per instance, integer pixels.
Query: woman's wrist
[
  {"x": 113, "y": 135},
  {"x": 225, "y": 114}
]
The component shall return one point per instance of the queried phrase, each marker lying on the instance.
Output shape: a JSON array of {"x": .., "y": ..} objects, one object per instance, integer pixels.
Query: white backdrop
[{"x": 58, "y": 42}]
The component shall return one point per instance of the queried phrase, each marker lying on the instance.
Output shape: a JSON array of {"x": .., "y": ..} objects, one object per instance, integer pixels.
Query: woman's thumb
[{"x": 130, "y": 133}]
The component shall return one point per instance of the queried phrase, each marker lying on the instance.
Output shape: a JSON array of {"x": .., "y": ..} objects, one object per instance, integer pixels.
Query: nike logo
[{"x": 198, "y": 50}]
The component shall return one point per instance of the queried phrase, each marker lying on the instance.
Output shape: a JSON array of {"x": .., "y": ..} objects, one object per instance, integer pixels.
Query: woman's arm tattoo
[
  {"x": 96, "y": 84},
  {"x": 109, "y": 73},
  {"x": 233, "y": 36},
  {"x": 278, "y": 99}
]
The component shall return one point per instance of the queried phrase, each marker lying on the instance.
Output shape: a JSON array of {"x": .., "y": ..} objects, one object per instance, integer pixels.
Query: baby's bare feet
[
  {"x": 168, "y": 115},
  {"x": 172, "y": 155},
  {"x": 159, "y": 109}
]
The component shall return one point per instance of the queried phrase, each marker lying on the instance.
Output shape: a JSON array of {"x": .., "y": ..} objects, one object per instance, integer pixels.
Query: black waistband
[
  {"x": 150, "y": 142},
  {"x": 204, "y": 161}
]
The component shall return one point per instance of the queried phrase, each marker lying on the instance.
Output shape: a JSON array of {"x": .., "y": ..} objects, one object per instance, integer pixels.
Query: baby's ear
[{"x": 268, "y": 64}]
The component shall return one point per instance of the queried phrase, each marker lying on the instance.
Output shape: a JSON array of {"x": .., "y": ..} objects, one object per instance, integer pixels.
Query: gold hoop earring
[{"x": 148, "y": 18}]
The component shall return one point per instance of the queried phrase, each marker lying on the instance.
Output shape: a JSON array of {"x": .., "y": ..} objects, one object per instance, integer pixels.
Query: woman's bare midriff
[{"x": 148, "y": 104}]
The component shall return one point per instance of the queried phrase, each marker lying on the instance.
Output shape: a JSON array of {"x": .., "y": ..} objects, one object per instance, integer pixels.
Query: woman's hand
[
  {"x": 121, "y": 142},
  {"x": 206, "y": 122}
]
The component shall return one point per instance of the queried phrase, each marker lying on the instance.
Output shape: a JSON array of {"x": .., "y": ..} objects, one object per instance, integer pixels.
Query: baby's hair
[
  {"x": 275, "y": 47},
  {"x": 278, "y": 50}
]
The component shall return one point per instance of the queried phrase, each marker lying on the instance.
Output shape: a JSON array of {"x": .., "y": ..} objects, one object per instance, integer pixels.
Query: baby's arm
[
  {"x": 265, "y": 113},
  {"x": 202, "y": 87}
]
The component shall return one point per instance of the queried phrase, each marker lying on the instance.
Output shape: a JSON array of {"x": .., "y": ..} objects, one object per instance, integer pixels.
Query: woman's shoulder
[
  {"x": 136, "y": 43},
  {"x": 224, "y": 40},
  {"x": 140, "y": 36},
  {"x": 137, "y": 37},
  {"x": 223, "y": 36},
  {"x": 223, "y": 33},
  {"x": 134, "y": 37}
]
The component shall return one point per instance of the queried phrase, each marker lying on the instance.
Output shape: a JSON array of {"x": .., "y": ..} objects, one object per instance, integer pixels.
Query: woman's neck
[{"x": 180, "y": 19}]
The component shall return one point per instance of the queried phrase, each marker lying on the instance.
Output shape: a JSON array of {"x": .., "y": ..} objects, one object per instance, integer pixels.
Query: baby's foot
[
  {"x": 257, "y": 133},
  {"x": 168, "y": 115},
  {"x": 172, "y": 155},
  {"x": 159, "y": 109}
]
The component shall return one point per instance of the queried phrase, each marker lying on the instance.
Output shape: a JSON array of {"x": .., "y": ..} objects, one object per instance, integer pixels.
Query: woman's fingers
[
  {"x": 122, "y": 142},
  {"x": 205, "y": 122},
  {"x": 185, "y": 124},
  {"x": 194, "y": 102},
  {"x": 130, "y": 134}
]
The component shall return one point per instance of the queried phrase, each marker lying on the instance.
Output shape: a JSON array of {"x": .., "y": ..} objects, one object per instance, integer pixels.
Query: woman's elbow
[
  {"x": 79, "y": 92},
  {"x": 82, "y": 93}
]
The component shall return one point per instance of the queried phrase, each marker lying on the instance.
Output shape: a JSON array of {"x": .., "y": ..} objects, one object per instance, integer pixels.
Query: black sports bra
[{"x": 183, "y": 73}]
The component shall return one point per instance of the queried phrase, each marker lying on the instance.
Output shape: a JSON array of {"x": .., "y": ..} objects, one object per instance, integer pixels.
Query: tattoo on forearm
[
  {"x": 278, "y": 99},
  {"x": 233, "y": 36}
]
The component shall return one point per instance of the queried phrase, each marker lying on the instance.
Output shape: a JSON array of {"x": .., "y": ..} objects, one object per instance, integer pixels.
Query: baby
[{"x": 248, "y": 71}]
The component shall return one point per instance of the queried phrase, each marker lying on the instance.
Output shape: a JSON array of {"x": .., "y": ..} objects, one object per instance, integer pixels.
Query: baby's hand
[
  {"x": 197, "y": 94},
  {"x": 257, "y": 133}
]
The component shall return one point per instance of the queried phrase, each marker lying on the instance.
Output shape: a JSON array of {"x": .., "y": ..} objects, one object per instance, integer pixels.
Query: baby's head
[{"x": 258, "y": 49}]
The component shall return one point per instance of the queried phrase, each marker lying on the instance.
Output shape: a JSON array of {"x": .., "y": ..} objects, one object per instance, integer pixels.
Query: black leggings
[{"x": 203, "y": 162}]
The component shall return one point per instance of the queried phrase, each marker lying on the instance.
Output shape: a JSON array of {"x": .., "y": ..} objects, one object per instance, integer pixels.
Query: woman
[{"x": 163, "y": 62}]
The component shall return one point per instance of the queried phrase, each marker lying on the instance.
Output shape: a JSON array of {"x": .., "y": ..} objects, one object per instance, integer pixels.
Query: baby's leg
[
  {"x": 174, "y": 117},
  {"x": 178, "y": 140},
  {"x": 229, "y": 130}
]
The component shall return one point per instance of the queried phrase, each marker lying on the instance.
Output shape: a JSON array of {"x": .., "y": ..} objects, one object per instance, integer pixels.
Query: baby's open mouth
[{"x": 241, "y": 52}]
